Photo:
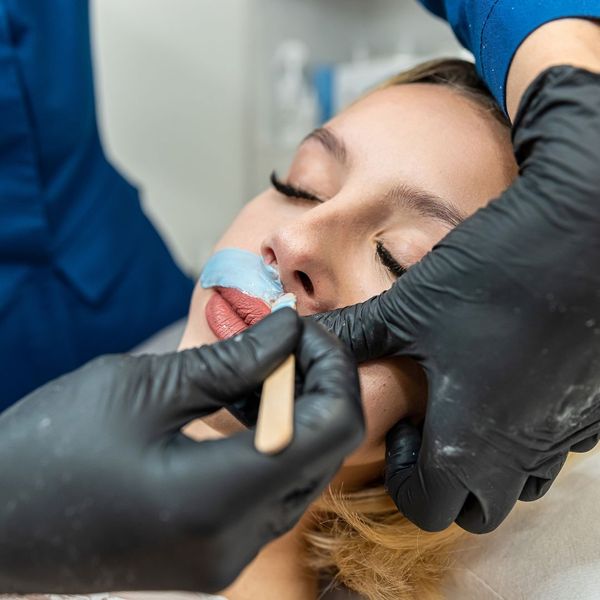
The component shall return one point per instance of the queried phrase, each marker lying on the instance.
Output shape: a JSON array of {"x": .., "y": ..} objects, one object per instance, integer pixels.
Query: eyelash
[
  {"x": 383, "y": 254},
  {"x": 291, "y": 191},
  {"x": 388, "y": 261}
]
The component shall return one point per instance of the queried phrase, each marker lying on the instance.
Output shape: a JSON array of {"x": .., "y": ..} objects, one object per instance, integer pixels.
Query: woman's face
[{"x": 365, "y": 198}]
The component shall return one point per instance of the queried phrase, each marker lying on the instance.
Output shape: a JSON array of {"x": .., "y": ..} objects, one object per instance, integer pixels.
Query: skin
[{"x": 420, "y": 135}]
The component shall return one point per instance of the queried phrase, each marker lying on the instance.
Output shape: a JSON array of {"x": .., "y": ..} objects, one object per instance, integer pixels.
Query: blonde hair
[
  {"x": 459, "y": 75},
  {"x": 358, "y": 538}
]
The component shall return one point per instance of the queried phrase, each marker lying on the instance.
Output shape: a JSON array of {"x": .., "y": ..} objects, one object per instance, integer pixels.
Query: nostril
[
  {"x": 268, "y": 256},
  {"x": 306, "y": 282}
]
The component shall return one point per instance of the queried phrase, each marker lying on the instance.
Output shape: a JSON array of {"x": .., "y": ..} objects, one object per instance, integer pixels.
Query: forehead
[{"x": 431, "y": 136}]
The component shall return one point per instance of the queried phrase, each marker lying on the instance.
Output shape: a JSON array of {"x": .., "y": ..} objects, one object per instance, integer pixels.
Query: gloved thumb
[
  {"x": 402, "y": 443},
  {"x": 417, "y": 485},
  {"x": 375, "y": 328}
]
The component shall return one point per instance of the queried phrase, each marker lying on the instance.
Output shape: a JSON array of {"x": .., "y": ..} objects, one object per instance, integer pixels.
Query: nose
[{"x": 305, "y": 263}]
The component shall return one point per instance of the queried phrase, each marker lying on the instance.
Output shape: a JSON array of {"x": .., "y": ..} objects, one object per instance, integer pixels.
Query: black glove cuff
[{"x": 562, "y": 103}]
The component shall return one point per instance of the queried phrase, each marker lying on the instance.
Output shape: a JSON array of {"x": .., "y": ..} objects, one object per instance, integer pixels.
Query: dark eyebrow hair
[
  {"x": 426, "y": 203},
  {"x": 331, "y": 142}
]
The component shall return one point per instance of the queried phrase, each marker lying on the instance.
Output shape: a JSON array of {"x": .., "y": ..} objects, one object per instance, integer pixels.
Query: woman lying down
[{"x": 365, "y": 198}]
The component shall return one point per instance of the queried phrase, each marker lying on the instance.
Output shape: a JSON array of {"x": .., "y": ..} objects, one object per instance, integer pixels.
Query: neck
[{"x": 277, "y": 572}]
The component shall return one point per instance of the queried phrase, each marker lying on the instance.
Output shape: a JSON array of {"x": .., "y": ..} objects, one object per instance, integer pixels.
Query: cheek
[{"x": 392, "y": 389}]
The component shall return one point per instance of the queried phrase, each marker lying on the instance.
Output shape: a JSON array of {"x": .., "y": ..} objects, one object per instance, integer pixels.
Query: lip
[{"x": 229, "y": 311}]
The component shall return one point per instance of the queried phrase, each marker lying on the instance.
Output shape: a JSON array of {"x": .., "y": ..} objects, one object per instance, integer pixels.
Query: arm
[{"x": 574, "y": 42}]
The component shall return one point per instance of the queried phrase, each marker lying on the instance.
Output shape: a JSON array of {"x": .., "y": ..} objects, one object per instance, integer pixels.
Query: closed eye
[
  {"x": 388, "y": 261},
  {"x": 291, "y": 191}
]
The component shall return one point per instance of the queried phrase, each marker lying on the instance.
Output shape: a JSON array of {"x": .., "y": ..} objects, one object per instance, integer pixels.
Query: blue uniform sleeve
[
  {"x": 83, "y": 272},
  {"x": 493, "y": 30}
]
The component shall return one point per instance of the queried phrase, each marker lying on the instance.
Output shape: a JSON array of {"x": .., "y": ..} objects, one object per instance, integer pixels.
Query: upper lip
[{"x": 251, "y": 310}]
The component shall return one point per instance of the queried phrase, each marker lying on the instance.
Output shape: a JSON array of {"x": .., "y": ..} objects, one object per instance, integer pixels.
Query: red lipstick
[{"x": 229, "y": 312}]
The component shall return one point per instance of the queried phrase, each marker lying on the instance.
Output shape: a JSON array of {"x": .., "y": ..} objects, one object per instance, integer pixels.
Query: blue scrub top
[
  {"x": 493, "y": 30},
  {"x": 82, "y": 270}
]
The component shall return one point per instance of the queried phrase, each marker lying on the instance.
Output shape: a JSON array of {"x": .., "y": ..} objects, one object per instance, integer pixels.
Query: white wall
[{"x": 183, "y": 92}]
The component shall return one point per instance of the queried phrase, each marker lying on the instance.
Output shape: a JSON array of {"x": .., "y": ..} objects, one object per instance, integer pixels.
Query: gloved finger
[
  {"x": 492, "y": 495},
  {"x": 367, "y": 337},
  {"x": 245, "y": 408},
  {"x": 539, "y": 483},
  {"x": 372, "y": 329},
  {"x": 331, "y": 379},
  {"x": 198, "y": 381},
  {"x": 484, "y": 510},
  {"x": 424, "y": 492},
  {"x": 326, "y": 364},
  {"x": 535, "y": 488},
  {"x": 586, "y": 445},
  {"x": 493, "y": 489},
  {"x": 402, "y": 444}
]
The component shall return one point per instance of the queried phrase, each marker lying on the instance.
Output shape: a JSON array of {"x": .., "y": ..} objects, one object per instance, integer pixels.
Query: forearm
[
  {"x": 494, "y": 30},
  {"x": 574, "y": 42}
]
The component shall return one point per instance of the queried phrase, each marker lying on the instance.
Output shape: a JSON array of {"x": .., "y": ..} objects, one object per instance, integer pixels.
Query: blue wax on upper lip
[{"x": 244, "y": 271}]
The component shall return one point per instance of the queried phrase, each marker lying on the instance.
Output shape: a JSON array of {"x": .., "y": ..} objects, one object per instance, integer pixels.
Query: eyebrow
[
  {"x": 410, "y": 197},
  {"x": 331, "y": 142},
  {"x": 425, "y": 203}
]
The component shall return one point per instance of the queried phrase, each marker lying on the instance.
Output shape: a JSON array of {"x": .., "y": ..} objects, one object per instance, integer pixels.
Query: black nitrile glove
[
  {"x": 504, "y": 316},
  {"x": 101, "y": 491}
]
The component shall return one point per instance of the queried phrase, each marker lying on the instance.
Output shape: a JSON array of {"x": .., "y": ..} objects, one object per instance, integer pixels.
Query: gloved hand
[
  {"x": 101, "y": 491},
  {"x": 504, "y": 316}
]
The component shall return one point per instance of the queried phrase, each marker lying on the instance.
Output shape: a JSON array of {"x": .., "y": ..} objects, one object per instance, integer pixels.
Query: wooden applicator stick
[{"x": 275, "y": 424}]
